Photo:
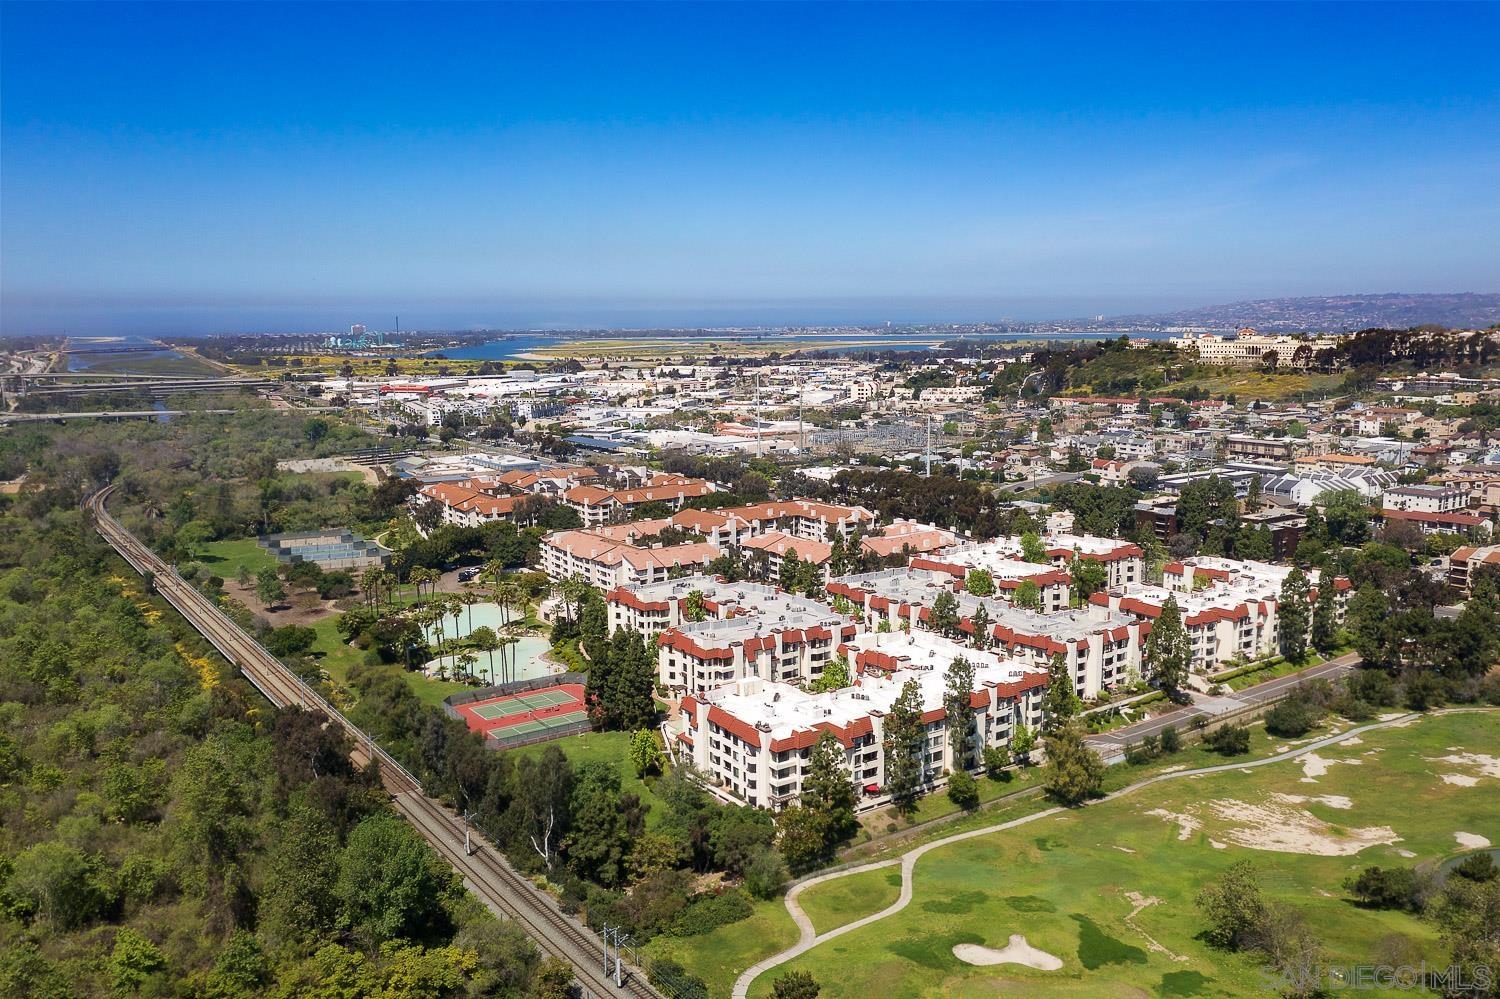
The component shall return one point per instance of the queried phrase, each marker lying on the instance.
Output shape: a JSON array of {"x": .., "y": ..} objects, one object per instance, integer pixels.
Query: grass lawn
[
  {"x": 225, "y": 558},
  {"x": 610, "y": 747},
  {"x": 1067, "y": 881},
  {"x": 720, "y": 956},
  {"x": 1249, "y": 385}
]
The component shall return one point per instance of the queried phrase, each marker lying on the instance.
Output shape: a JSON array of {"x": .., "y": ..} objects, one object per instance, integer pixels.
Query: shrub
[
  {"x": 1291, "y": 718},
  {"x": 962, "y": 790},
  {"x": 766, "y": 874},
  {"x": 996, "y": 762},
  {"x": 1481, "y": 867},
  {"x": 706, "y": 913},
  {"x": 1389, "y": 888},
  {"x": 671, "y": 978},
  {"x": 1171, "y": 742},
  {"x": 1229, "y": 740}
]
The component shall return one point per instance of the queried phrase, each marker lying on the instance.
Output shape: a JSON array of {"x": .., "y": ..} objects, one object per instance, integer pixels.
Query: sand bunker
[
  {"x": 1139, "y": 902},
  {"x": 1471, "y": 841},
  {"x": 1331, "y": 800},
  {"x": 1018, "y": 951},
  {"x": 1284, "y": 829},
  {"x": 1314, "y": 765},
  {"x": 1487, "y": 766},
  {"x": 1186, "y": 824}
]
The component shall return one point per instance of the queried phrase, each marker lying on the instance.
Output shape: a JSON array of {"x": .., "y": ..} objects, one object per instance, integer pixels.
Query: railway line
[{"x": 484, "y": 871}]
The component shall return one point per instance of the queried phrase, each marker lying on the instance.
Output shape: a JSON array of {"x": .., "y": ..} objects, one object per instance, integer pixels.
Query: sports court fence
[{"x": 498, "y": 738}]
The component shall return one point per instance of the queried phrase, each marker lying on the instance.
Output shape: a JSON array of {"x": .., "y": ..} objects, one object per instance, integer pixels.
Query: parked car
[{"x": 466, "y": 575}]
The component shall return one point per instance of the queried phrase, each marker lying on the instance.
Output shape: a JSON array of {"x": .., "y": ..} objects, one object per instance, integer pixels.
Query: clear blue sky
[{"x": 224, "y": 166}]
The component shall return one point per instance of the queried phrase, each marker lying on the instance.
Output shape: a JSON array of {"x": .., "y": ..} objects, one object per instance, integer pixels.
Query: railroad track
[{"x": 484, "y": 871}]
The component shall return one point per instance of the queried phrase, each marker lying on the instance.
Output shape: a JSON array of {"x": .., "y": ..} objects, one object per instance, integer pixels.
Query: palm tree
[
  {"x": 508, "y": 596},
  {"x": 369, "y": 585},
  {"x": 469, "y": 598},
  {"x": 466, "y": 665},
  {"x": 485, "y": 640},
  {"x": 456, "y": 608},
  {"x": 510, "y": 644}
]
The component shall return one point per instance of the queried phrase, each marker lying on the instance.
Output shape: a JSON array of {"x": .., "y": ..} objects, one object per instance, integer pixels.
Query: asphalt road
[{"x": 1211, "y": 707}]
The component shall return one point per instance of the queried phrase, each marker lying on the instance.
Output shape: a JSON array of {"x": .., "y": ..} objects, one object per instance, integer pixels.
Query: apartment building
[
  {"x": 466, "y": 507},
  {"x": 753, "y": 739},
  {"x": 804, "y": 518},
  {"x": 1467, "y": 524},
  {"x": 1466, "y": 561},
  {"x": 1426, "y": 499},
  {"x": 596, "y": 505},
  {"x": 775, "y": 546},
  {"x": 1102, "y": 652},
  {"x": 788, "y": 640},
  {"x": 606, "y": 562},
  {"x": 1228, "y": 606},
  {"x": 907, "y": 537}
]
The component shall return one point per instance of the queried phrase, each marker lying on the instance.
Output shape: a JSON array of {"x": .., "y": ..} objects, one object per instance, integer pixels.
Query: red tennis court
[{"x": 526, "y": 716}]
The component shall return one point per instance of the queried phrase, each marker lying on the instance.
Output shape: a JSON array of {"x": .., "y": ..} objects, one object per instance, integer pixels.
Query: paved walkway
[{"x": 810, "y": 938}]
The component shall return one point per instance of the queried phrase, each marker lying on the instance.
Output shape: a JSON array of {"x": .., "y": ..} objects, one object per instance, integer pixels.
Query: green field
[
  {"x": 1069, "y": 882},
  {"x": 1249, "y": 385},
  {"x": 225, "y": 558}
]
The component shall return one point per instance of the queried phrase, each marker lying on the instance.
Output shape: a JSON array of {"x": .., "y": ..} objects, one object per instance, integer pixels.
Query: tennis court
[
  {"x": 529, "y": 715},
  {"x": 522, "y": 704}
]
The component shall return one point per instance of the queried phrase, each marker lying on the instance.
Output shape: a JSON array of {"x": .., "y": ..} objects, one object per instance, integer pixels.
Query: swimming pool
[
  {"x": 484, "y": 615},
  {"x": 521, "y": 662}
]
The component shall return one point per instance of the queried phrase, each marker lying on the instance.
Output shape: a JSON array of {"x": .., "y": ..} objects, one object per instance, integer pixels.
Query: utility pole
[
  {"x": 468, "y": 818},
  {"x": 928, "y": 472}
]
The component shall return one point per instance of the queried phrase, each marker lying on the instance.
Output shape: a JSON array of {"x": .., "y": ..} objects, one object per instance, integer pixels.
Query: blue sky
[{"x": 221, "y": 166}]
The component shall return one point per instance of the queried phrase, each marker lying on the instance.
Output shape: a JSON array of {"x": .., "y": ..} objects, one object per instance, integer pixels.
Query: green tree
[
  {"x": 599, "y": 838},
  {"x": 829, "y": 791},
  {"x": 1291, "y": 613},
  {"x": 1060, "y": 702},
  {"x": 644, "y": 753},
  {"x": 996, "y": 760},
  {"x": 905, "y": 747},
  {"x": 298, "y": 905},
  {"x": 1028, "y": 595},
  {"x": 795, "y": 985},
  {"x": 979, "y": 582},
  {"x": 1234, "y": 907},
  {"x": 390, "y": 886},
  {"x": 1074, "y": 772},
  {"x": 835, "y": 676},
  {"x": 1022, "y": 742},
  {"x": 59, "y": 884},
  {"x": 240, "y": 969},
  {"x": 1088, "y": 578},
  {"x": 133, "y": 960},
  {"x": 1346, "y": 516},
  {"x": 962, "y": 790},
  {"x": 980, "y": 622},
  {"x": 1325, "y": 615},
  {"x": 943, "y": 616},
  {"x": 268, "y": 587},
  {"x": 958, "y": 705},
  {"x": 693, "y": 608},
  {"x": 1032, "y": 548},
  {"x": 1168, "y": 651}
]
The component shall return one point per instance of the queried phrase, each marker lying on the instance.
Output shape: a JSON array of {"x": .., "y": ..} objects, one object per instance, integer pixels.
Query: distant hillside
[{"x": 1467, "y": 310}]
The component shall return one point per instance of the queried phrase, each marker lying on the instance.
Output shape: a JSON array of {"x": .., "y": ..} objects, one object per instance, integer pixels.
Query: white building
[{"x": 753, "y": 739}]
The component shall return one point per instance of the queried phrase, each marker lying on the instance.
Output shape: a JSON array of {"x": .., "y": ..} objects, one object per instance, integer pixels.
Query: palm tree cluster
[{"x": 422, "y": 618}]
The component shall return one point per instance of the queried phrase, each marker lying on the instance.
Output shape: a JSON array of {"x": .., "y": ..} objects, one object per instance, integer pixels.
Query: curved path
[{"x": 810, "y": 938}]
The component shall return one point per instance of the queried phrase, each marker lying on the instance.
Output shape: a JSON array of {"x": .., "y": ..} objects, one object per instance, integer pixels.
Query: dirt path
[{"x": 810, "y": 938}]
